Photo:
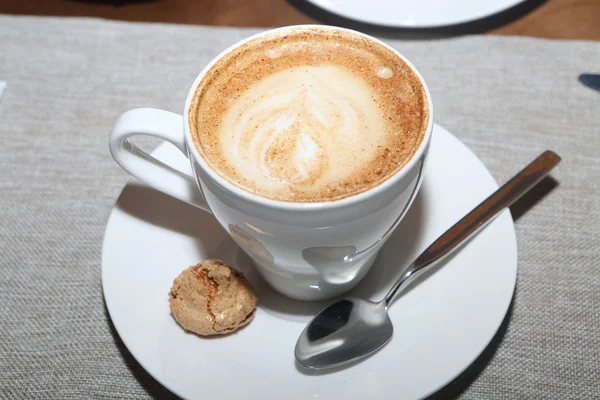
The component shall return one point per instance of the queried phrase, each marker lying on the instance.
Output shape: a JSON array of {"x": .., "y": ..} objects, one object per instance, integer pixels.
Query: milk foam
[
  {"x": 385, "y": 72},
  {"x": 302, "y": 126}
]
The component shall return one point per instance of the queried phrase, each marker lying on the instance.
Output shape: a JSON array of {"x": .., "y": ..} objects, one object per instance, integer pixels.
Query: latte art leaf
[
  {"x": 295, "y": 127},
  {"x": 285, "y": 143}
]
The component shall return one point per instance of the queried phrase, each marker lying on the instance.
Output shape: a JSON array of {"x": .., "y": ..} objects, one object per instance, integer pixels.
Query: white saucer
[
  {"x": 441, "y": 325},
  {"x": 415, "y": 13}
]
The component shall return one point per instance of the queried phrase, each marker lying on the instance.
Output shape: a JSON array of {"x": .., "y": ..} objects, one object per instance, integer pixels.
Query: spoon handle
[{"x": 477, "y": 218}]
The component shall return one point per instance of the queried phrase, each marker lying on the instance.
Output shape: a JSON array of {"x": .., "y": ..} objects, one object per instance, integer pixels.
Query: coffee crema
[{"x": 308, "y": 114}]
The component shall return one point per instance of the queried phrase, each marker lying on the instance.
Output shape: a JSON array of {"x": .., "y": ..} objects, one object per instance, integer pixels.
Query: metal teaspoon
[{"x": 351, "y": 329}]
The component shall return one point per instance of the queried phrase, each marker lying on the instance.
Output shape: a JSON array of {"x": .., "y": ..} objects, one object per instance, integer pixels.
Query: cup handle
[{"x": 164, "y": 125}]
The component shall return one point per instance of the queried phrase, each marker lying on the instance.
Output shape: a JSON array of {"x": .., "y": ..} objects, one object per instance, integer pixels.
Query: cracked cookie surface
[{"x": 212, "y": 298}]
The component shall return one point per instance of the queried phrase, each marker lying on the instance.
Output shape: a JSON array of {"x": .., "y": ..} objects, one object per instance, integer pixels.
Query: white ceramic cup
[{"x": 307, "y": 251}]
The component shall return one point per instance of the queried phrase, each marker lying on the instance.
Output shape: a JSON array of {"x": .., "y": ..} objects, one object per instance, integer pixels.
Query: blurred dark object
[
  {"x": 113, "y": 2},
  {"x": 590, "y": 80}
]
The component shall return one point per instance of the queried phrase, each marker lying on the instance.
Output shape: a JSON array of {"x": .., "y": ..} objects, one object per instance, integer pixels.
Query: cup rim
[{"x": 305, "y": 206}]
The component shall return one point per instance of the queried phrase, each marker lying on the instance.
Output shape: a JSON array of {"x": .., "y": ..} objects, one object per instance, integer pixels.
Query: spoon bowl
[{"x": 348, "y": 326}]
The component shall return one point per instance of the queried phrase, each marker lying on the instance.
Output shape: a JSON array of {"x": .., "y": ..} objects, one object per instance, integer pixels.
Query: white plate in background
[{"x": 415, "y": 13}]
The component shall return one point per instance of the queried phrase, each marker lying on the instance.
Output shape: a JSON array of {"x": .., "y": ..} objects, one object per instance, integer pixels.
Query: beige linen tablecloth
[{"x": 68, "y": 80}]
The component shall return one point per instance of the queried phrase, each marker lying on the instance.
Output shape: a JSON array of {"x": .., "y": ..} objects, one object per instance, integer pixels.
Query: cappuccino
[{"x": 308, "y": 115}]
